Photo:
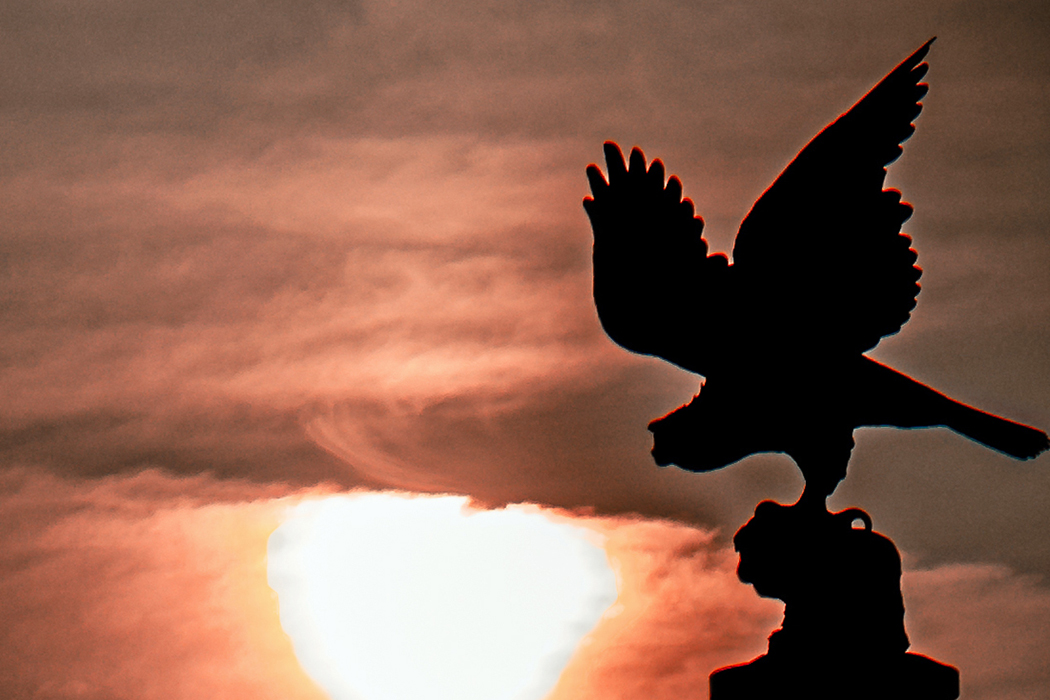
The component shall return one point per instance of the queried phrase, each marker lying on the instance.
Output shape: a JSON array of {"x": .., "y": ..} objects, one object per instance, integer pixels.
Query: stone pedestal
[{"x": 843, "y": 633}]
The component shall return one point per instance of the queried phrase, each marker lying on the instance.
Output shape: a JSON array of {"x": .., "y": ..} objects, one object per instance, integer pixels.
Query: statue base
[
  {"x": 843, "y": 631},
  {"x": 906, "y": 677}
]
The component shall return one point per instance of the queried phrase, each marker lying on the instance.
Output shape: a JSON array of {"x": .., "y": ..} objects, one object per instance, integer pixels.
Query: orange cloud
[
  {"x": 681, "y": 614},
  {"x": 151, "y": 586},
  {"x": 144, "y": 587}
]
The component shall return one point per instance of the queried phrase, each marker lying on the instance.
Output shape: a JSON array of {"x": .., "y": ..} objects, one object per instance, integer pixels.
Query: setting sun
[{"x": 390, "y": 598}]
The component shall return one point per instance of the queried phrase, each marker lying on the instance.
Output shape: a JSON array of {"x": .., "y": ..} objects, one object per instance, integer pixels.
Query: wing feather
[
  {"x": 820, "y": 259},
  {"x": 650, "y": 260}
]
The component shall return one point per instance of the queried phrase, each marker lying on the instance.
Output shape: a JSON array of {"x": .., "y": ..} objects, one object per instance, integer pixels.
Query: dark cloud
[
  {"x": 985, "y": 620},
  {"x": 177, "y": 300},
  {"x": 428, "y": 249}
]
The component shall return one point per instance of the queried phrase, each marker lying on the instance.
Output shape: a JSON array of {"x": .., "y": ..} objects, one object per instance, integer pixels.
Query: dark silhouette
[
  {"x": 843, "y": 631},
  {"x": 820, "y": 273}
]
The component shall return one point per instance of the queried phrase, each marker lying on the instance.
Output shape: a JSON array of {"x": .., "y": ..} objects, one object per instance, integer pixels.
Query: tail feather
[
  {"x": 1017, "y": 440},
  {"x": 892, "y": 398}
]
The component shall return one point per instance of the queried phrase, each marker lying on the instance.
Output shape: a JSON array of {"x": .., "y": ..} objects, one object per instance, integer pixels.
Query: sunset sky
[{"x": 260, "y": 251}]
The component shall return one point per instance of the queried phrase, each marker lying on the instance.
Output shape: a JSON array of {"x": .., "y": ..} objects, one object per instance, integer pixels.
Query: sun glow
[{"x": 396, "y": 598}]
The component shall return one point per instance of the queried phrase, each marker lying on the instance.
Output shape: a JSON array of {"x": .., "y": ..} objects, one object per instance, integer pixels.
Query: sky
[{"x": 260, "y": 251}]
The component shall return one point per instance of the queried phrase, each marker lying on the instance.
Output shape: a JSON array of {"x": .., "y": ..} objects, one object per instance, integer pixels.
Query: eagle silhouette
[{"x": 820, "y": 273}]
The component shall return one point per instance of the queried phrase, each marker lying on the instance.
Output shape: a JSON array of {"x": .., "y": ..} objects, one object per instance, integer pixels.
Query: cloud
[
  {"x": 986, "y": 620},
  {"x": 143, "y": 310},
  {"x": 226, "y": 214},
  {"x": 153, "y": 586},
  {"x": 681, "y": 613},
  {"x": 147, "y": 587}
]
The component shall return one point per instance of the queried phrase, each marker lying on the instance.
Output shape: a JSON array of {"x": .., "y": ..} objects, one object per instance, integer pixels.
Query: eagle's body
[{"x": 820, "y": 273}]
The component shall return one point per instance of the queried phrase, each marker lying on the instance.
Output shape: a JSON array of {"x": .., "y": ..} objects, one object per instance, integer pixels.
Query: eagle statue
[{"x": 820, "y": 273}]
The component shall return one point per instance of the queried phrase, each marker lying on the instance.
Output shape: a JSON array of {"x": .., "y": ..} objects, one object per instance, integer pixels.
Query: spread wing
[
  {"x": 821, "y": 258},
  {"x": 651, "y": 267}
]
